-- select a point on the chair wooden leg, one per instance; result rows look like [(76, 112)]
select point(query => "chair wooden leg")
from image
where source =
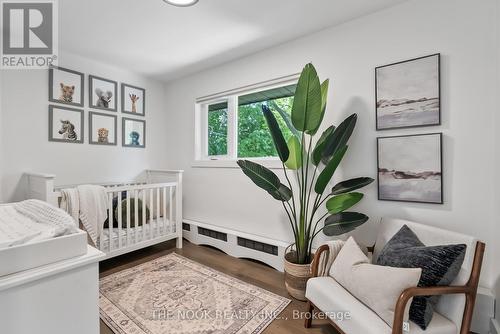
[(309, 313)]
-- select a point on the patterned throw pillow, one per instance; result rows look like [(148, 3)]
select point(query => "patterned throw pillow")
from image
[(440, 265)]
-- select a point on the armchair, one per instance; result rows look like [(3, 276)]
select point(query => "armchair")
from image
[(453, 312)]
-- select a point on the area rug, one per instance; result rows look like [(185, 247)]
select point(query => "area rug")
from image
[(175, 295)]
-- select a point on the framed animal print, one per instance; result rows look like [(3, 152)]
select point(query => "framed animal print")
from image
[(133, 132), (133, 100), (102, 93), (102, 129), (66, 86), (65, 124), (410, 168), (407, 93)]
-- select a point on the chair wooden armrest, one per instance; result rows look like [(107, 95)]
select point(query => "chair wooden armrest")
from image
[(317, 257), (469, 290)]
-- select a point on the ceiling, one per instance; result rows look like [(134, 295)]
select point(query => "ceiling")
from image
[(166, 42)]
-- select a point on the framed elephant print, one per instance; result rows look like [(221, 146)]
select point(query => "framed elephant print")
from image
[(102, 93), (133, 100)]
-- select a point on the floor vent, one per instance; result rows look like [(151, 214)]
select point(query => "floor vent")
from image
[(212, 234), (186, 227), (258, 246)]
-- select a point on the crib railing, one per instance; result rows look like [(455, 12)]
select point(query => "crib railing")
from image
[(159, 199), (159, 190)]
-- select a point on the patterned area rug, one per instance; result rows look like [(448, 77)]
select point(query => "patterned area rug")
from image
[(175, 295)]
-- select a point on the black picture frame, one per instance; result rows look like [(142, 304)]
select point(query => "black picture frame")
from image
[(51, 86), (438, 122), (51, 125), (123, 96), (124, 134), (91, 128), (92, 104), (440, 147)]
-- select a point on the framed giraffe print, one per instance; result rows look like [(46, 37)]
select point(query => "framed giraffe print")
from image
[(133, 100), (65, 124)]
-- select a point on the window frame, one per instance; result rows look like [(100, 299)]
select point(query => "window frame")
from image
[(201, 157)]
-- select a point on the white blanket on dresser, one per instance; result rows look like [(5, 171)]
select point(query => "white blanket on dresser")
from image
[(31, 221)]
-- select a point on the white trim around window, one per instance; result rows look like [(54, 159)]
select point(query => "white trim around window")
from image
[(201, 157)]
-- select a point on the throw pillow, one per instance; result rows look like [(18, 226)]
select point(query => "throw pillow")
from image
[(378, 287), (440, 265)]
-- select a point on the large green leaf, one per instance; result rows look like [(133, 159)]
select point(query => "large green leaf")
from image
[(265, 179), (342, 202), (350, 185), (324, 98), (326, 174), (295, 159), (286, 118), (276, 134), (306, 109), (339, 137), (320, 144), (343, 222)]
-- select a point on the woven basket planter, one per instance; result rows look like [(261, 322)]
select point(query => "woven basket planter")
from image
[(296, 276)]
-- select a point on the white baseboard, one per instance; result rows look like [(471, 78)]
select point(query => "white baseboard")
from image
[(494, 327), (231, 246)]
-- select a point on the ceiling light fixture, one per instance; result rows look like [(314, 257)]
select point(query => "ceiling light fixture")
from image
[(181, 3)]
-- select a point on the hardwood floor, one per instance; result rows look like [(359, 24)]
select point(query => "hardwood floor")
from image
[(245, 270)]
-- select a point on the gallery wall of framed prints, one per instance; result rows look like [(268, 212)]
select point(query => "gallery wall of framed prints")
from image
[(67, 114), (407, 96)]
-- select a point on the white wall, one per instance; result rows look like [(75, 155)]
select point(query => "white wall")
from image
[(24, 131), (463, 31)]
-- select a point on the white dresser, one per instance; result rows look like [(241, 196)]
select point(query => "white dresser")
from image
[(59, 298)]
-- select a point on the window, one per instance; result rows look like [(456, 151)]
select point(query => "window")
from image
[(231, 125), (254, 139), (217, 129)]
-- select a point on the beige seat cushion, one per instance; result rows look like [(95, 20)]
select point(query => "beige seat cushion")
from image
[(379, 287), (330, 297)]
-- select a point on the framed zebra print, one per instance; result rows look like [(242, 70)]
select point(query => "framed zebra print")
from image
[(65, 125)]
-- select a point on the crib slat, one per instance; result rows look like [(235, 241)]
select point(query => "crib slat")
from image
[(151, 210), (170, 211), (128, 218), (120, 220), (136, 215), (158, 212), (144, 215), (164, 208), (110, 221)]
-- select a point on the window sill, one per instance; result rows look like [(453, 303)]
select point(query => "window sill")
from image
[(231, 163)]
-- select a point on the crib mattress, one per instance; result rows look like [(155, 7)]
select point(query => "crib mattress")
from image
[(153, 228)]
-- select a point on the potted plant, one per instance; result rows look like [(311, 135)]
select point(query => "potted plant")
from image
[(308, 169)]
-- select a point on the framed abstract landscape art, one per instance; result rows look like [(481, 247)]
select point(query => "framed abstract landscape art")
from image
[(410, 168), (407, 93)]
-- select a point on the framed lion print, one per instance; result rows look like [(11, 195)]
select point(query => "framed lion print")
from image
[(66, 86)]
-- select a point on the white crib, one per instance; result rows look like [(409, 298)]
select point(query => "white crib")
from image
[(159, 190)]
